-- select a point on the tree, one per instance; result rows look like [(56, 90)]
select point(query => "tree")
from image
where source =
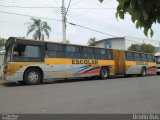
[(147, 48), (143, 13), (39, 28), (135, 47), (91, 41)]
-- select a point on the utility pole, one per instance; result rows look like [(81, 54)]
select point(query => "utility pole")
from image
[(63, 22)]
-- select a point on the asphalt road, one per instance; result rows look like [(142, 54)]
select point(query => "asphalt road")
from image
[(115, 95)]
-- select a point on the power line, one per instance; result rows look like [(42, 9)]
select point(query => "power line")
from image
[(57, 2), (58, 21), (68, 7), (76, 2), (29, 16), (14, 2), (51, 7), (28, 6), (90, 29), (94, 8)]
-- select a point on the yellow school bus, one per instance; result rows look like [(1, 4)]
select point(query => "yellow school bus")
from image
[(33, 62)]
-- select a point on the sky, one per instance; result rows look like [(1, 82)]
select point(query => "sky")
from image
[(89, 13)]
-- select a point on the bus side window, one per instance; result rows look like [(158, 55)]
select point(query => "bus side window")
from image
[(109, 54), (144, 58), (72, 52), (54, 51), (137, 56), (129, 56), (100, 54), (87, 53), (150, 58)]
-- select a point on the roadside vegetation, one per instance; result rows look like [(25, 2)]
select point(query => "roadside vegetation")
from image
[(144, 13), (39, 29), (146, 48)]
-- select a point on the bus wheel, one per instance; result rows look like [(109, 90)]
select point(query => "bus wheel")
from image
[(104, 73), (32, 76), (143, 72), (21, 82), (127, 75), (158, 73)]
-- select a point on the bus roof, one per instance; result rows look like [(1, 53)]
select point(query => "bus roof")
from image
[(18, 39), (11, 40)]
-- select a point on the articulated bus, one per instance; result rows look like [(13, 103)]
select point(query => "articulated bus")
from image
[(158, 63), (33, 62)]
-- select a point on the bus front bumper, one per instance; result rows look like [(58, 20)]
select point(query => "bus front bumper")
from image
[(11, 78), (7, 78)]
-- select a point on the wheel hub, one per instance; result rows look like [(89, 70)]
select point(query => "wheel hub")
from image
[(104, 73), (33, 76)]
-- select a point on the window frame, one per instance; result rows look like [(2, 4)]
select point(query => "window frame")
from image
[(27, 58), (129, 58)]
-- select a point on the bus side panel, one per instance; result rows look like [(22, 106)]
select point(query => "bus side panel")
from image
[(132, 67), (119, 62), (77, 67), (151, 68)]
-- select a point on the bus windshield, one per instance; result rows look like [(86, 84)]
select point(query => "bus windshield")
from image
[(7, 57)]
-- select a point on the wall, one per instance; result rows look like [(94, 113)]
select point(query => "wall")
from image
[(116, 43)]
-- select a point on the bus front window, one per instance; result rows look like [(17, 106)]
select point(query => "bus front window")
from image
[(7, 57), (26, 53)]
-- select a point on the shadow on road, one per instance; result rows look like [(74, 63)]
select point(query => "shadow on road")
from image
[(60, 81)]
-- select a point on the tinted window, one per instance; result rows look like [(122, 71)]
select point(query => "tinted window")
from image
[(73, 55), (100, 51), (54, 54), (70, 48), (26, 53), (55, 47), (150, 58), (101, 56), (144, 58), (129, 56), (87, 50), (109, 54), (88, 56), (137, 56), (31, 51)]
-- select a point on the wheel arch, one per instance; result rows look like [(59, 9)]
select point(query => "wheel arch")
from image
[(35, 67), (108, 67), (144, 67)]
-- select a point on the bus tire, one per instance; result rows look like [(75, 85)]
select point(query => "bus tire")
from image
[(143, 72), (127, 75), (32, 76), (21, 82), (158, 73), (104, 73)]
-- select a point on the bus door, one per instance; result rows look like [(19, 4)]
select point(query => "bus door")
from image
[(119, 62)]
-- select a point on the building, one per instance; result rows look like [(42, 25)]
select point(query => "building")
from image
[(123, 43)]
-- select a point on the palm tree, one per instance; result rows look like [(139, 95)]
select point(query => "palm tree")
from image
[(39, 28), (91, 41)]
